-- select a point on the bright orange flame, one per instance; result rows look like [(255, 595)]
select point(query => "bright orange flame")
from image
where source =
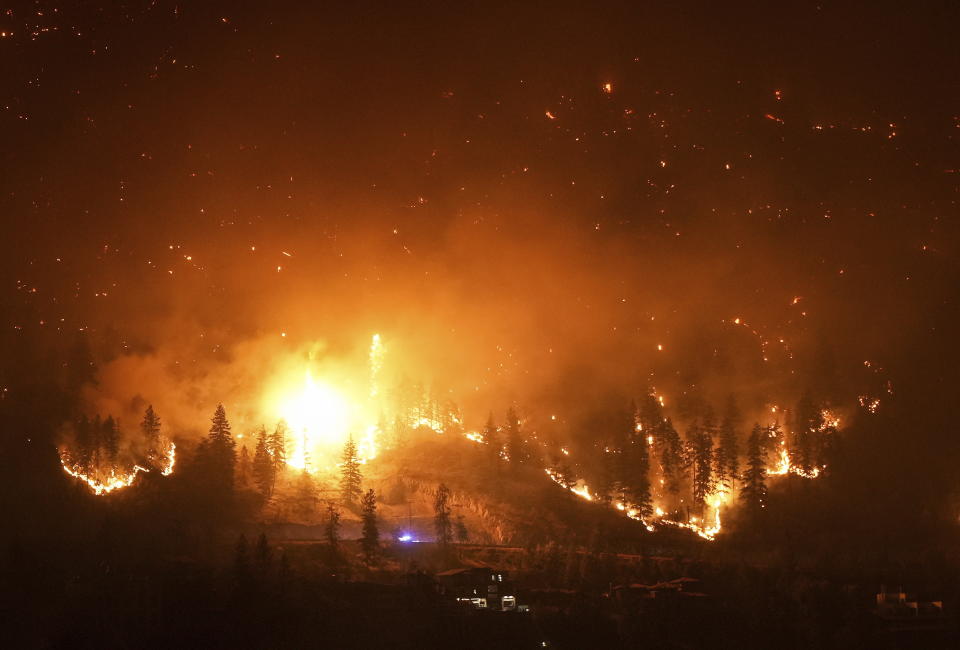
[(318, 415)]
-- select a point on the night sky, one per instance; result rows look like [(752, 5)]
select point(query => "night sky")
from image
[(529, 202)]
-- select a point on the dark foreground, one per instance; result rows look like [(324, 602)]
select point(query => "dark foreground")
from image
[(118, 598)]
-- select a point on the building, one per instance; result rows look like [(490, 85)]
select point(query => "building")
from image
[(482, 587), (900, 610)]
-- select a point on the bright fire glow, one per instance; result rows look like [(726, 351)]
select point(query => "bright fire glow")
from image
[(318, 415), (104, 484), (326, 407)]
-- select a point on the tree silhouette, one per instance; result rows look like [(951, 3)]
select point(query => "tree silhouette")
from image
[(370, 541), (111, 441), (277, 447), (441, 516), (305, 501), (671, 459), (264, 473), (491, 438), (217, 455), (727, 462), (332, 527), (754, 489), (150, 426), (701, 446), (516, 448), (463, 535), (350, 476)]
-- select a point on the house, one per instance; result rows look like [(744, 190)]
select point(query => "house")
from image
[(898, 606), (482, 587)]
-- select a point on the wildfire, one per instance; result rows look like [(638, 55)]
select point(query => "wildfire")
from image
[(784, 466), (102, 485), (376, 365), (318, 414), (579, 488), (703, 529), (321, 414), (171, 460)]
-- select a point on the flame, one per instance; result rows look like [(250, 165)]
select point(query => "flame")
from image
[(171, 460), (113, 480), (784, 466), (376, 365), (318, 415), (579, 488)]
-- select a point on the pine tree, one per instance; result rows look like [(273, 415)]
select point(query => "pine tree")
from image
[(701, 447), (727, 464), (671, 459), (608, 476), (264, 474), (370, 541), (150, 426), (650, 415), (244, 467), (332, 527), (262, 554), (639, 478), (350, 477), (111, 441), (463, 535), (84, 442), (635, 461), (96, 443), (807, 431), (491, 439), (441, 516), (305, 501), (277, 447), (754, 489), (220, 453), (451, 416), (516, 448)]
